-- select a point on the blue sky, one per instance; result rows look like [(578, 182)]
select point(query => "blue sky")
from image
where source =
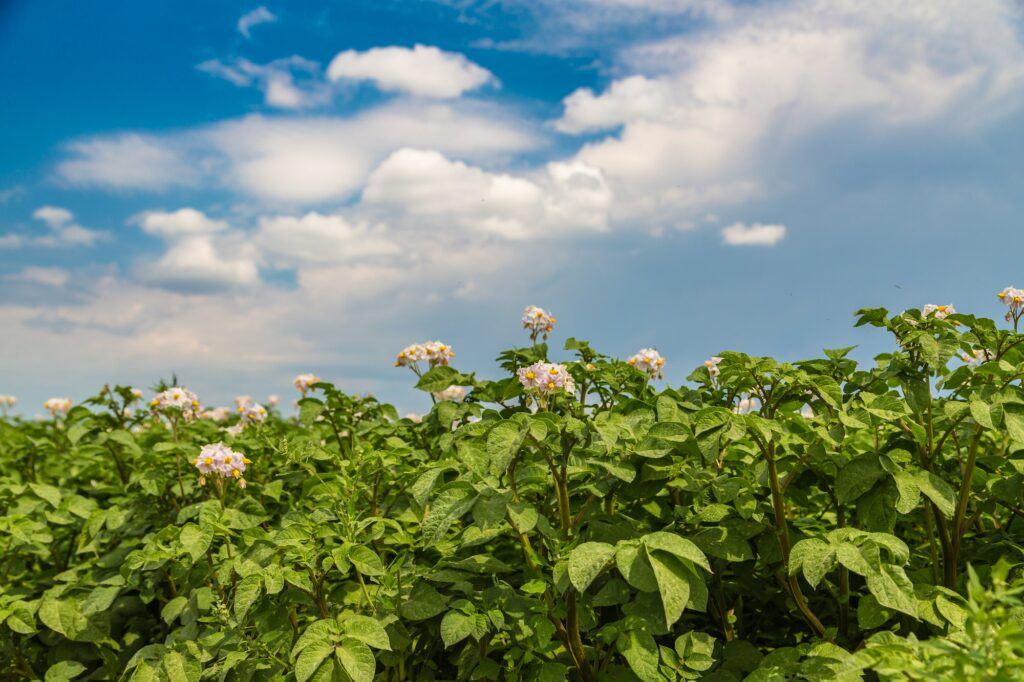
[(239, 192)]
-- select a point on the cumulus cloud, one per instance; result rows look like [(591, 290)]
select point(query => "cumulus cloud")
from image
[(425, 184), (302, 160), (62, 230), (708, 117), (318, 238), (423, 70), (740, 234), (290, 83), (179, 223), (195, 264), (255, 17)]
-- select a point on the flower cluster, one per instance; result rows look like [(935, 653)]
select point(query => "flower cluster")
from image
[(273, 400), (650, 362), (712, 365), (241, 401), (221, 460), (7, 401), (979, 356), (216, 414), (57, 406), (456, 394), (249, 413), (434, 352), (538, 321), (177, 399), (939, 312), (1014, 300), (304, 382), (546, 378)]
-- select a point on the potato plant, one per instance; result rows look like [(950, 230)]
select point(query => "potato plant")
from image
[(573, 519)]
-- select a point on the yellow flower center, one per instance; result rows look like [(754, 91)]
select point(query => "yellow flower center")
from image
[(551, 385), (208, 461), (531, 375)]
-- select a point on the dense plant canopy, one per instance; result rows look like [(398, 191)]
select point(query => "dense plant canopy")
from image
[(768, 520)]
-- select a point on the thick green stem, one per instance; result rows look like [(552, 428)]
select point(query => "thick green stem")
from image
[(959, 526)]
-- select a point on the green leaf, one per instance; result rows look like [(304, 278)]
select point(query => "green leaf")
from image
[(857, 477), (46, 492), (815, 557), (439, 378), (938, 491), (677, 545), (311, 658), (587, 561), (641, 653), (180, 668), (367, 630), (871, 614), (449, 506), (366, 560), (893, 589), (64, 616), (981, 412), (523, 516), (65, 670), (357, 660), (424, 602), (455, 627), (246, 593), (173, 609), (672, 584), (195, 540), (635, 568), (503, 443)]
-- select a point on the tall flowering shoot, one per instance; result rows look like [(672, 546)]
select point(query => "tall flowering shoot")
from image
[(177, 402), (219, 460), (434, 353), (57, 406), (304, 382), (1013, 298), (538, 322), (545, 380), (650, 362)]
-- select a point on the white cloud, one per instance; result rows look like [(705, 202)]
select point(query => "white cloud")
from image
[(10, 241), (63, 231), (290, 83), (255, 17), (319, 238), (740, 234), (179, 223), (126, 161), (52, 277), (423, 71), (195, 264), (708, 117), (424, 184), (305, 160)]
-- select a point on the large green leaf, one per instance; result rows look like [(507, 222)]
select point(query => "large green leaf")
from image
[(587, 561)]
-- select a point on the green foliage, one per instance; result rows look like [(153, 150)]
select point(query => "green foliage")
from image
[(854, 525)]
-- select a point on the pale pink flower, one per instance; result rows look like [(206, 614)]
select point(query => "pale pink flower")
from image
[(177, 400), (456, 394), (304, 382), (221, 460), (650, 362), (546, 378), (58, 406), (712, 365), (538, 321)]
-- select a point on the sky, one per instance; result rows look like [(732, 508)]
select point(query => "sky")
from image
[(235, 193)]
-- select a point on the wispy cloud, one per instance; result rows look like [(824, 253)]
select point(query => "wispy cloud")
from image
[(255, 17), (740, 234)]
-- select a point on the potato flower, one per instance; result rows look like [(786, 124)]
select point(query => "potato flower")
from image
[(456, 394), (177, 400), (218, 459), (216, 414), (712, 365), (939, 312), (545, 378), (434, 352), (977, 357), (650, 362), (249, 413), (304, 382), (1013, 298), (7, 402), (273, 400), (538, 321), (241, 401), (57, 406)]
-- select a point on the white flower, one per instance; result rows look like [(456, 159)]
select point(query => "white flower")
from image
[(1012, 297), (304, 382), (177, 399), (546, 378), (747, 405), (979, 356), (456, 394), (939, 312), (273, 399), (650, 362), (216, 414), (434, 352), (712, 365), (538, 321), (8, 401), (136, 395), (58, 406), (241, 401), (221, 460)]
